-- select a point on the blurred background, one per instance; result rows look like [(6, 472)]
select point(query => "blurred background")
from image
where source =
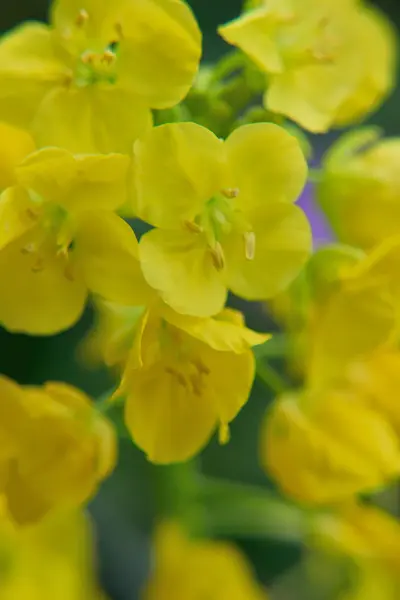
[(125, 509)]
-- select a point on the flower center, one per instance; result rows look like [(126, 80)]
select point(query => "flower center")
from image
[(219, 218), (96, 60)]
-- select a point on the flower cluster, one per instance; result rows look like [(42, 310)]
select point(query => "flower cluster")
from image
[(107, 118)]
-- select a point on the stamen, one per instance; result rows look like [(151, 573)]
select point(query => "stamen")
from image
[(193, 227), (218, 257), (108, 57), (197, 384), (118, 29), (180, 378), (224, 434), (32, 214), (230, 192), (201, 367), (28, 249), (88, 57), (249, 244), (82, 18), (68, 274)]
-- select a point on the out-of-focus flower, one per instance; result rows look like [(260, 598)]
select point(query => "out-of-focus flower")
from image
[(177, 375), (52, 559), (59, 238), (326, 63), (327, 448), (15, 145), (59, 449), (359, 190), (187, 569), (87, 81), (224, 213)]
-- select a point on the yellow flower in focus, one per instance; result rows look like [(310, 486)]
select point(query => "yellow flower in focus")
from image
[(359, 188), (15, 145), (50, 560), (224, 213), (62, 449), (177, 375), (322, 450), (59, 238), (326, 63), (187, 569), (87, 81)]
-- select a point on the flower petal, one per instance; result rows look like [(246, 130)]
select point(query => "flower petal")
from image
[(102, 16), (267, 165), (177, 167), (15, 145), (160, 50), (219, 332), (106, 250), (282, 245), (170, 422), (91, 120), (38, 301), (254, 34), (30, 65), (178, 265), (15, 218)]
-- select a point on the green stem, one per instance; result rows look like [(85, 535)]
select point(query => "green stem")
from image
[(271, 378)]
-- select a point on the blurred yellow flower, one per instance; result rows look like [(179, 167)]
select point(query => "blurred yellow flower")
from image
[(224, 213), (177, 375), (188, 569), (59, 237), (15, 145), (326, 63), (87, 81), (325, 449), (359, 187), (59, 449), (50, 560)]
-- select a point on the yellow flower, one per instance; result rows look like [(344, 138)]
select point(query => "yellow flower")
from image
[(87, 81), (59, 237), (61, 449), (363, 532), (377, 379), (177, 375), (224, 213), (359, 187), (326, 63), (15, 145), (51, 559), (325, 449), (187, 569)]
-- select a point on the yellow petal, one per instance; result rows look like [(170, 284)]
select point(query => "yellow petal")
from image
[(318, 456), (30, 65), (49, 173), (282, 245), (267, 165), (160, 50), (106, 250), (217, 332), (254, 34), (46, 297), (166, 419), (189, 162), (15, 145), (15, 215), (91, 120), (98, 20), (180, 267)]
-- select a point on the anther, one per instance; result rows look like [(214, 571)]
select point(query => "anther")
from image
[(193, 227), (88, 58), (249, 244), (82, 18), (118, 29), (32, 214), (108, 57), (201, 367), (230, 192), (180, 378), (218, 257), (223, 434), (28, 249)]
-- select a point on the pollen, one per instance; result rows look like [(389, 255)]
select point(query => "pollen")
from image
[(82, 18)]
